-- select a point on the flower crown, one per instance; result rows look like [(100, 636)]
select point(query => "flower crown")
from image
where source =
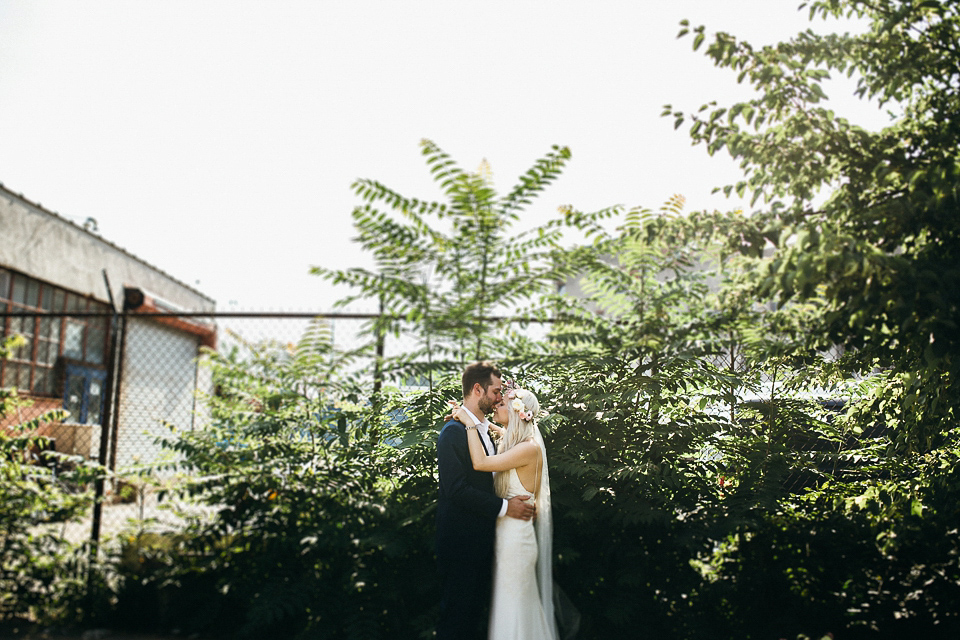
[(516, 400)]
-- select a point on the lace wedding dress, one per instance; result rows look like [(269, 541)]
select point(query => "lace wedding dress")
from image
[(522, 581)]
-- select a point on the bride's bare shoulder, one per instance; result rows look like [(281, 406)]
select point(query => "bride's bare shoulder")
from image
[(531, 446)]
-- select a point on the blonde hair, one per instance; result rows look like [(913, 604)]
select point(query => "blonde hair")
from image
[(519, 428)]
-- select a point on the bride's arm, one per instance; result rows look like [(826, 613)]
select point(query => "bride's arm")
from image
[(477, 452), (520, 455), (523, 454)]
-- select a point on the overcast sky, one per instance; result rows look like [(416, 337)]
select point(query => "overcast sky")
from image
[(218, 140)]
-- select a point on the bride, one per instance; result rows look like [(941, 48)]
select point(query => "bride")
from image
[(522, 606)]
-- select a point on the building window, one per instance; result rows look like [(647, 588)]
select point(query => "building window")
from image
[(81, 339)]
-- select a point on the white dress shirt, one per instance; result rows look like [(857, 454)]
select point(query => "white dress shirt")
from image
[(484, 430)]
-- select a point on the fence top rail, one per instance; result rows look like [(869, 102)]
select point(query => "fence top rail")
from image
[(184, 314), (238, 314)]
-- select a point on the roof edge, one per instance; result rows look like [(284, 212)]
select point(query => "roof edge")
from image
[(57, 216)]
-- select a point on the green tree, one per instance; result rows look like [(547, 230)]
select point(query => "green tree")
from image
[(311, 528), (866, 233), (444, 270), (676, 401), (42, 576), (864, 221), (280, 461)]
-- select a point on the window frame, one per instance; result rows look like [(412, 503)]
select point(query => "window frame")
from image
[(35, 368)]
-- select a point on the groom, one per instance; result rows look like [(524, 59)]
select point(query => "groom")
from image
[(467, 513)]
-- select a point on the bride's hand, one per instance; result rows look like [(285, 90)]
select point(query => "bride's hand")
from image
[(456, 412), (453, 406), (460, 414)]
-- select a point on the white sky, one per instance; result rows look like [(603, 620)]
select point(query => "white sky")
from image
[(218, 140)]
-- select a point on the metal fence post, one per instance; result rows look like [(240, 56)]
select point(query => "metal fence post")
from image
[(105, 418), (118, 387)]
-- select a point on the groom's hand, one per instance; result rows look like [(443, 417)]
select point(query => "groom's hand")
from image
[(518, 507)]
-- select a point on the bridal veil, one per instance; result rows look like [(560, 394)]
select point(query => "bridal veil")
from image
[(556, 606)]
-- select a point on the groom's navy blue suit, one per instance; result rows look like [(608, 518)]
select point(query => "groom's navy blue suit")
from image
[(466, 524)]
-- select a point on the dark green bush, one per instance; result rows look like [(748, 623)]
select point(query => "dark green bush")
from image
[(42, 576)]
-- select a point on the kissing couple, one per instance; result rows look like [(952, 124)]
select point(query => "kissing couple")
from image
[(494, 529)]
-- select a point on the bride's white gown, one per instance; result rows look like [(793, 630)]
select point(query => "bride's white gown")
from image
[(517, 613)]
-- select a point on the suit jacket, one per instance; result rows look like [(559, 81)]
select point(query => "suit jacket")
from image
[(468, 507)]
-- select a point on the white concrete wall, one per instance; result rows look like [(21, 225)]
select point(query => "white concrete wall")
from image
[(159, 374), (160, 379), (47, 247)]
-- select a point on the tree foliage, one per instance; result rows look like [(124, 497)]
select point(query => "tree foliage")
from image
[(681, 413), (864, 227), (751, 417), (42, 575), (306, 525), (444, 270), (864, 221)]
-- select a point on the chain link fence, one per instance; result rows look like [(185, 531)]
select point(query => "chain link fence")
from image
[(127, 381), (149, 381)]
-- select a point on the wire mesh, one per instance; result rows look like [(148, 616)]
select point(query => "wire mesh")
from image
[(149, 382)]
